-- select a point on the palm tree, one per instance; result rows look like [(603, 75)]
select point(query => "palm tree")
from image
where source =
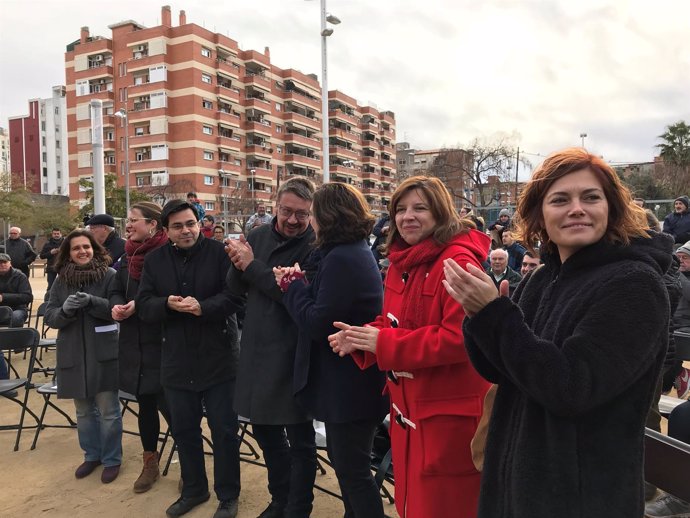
[(675, 152)]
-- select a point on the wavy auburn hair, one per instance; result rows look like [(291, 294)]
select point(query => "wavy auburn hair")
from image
[(342, 214), (625, 220), (435, 194)]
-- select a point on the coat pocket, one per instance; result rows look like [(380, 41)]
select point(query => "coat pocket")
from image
[(446, 428), (107, 346), (64, 353)]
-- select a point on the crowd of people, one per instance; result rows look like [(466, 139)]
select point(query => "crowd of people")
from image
[(518, 366)]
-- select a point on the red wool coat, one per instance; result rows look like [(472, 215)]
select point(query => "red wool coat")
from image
[(436, 400)]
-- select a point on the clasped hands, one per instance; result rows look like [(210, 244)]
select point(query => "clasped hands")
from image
[(75, 302), (285, 275), (184, 305), (121, 312), (240, 252)]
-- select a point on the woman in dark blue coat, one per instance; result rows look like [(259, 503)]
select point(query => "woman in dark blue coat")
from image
[(346, 286)]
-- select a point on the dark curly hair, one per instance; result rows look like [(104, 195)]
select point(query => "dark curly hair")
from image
[(342, 214)]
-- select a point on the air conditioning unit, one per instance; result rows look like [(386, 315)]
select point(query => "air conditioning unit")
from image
[(140, 48), (97, 58)]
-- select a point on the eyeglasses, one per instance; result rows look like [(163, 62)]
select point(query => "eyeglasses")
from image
[(134, 220), (286, 212), (180, 226)]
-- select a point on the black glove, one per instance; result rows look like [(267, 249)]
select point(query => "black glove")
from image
[(71, 305)]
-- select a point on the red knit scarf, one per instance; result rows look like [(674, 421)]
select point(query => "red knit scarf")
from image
[(136, 252), (414, 262)]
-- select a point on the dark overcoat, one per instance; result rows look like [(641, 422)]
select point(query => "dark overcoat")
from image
[(576, 355), (198, 352), (264, 392), (140, 343), (86, 342), (346, 288)]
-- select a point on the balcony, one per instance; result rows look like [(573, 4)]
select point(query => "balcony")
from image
[(147, 165), (341, 115), (312, 123), (296, 138), (343, 151), (262, 150), (229, 167), (231, 119), (257, 80), (261, 174), (232, 143), (303, 160), (229, 93), (344, 171), (255, 103), (344, 134), (296, 97), (373, 191), (263, 127), (229, 67)]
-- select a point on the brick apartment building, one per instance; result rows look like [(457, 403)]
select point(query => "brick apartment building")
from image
[(37, 146), (205, 116)]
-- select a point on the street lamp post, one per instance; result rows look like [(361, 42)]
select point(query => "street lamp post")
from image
[(583, 136), (122, 114), (325, 32), (253, 171)]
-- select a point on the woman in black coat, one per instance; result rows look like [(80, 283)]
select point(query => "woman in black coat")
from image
[(576, 353), (346, 287), (140, 344)]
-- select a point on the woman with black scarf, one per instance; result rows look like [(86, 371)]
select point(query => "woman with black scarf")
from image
[(87, 347), (140, 345)]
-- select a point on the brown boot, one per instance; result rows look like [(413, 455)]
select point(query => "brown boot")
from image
[(149, 474)]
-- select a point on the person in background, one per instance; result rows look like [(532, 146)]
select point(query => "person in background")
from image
[(264, 393), (140, 344), (380, 232), (675, 375), (497, 228), (182, 291), (49, 251), (15, 296), (677, 223), (436, 395), (261, 217), (219, 233), (87, 350), (20, 251), (562, 426), (194, 201), (500, 271), (516, 252), (345, 287), (102, 226), (207, 224), (639, 202), (466, 212), (530, 262)]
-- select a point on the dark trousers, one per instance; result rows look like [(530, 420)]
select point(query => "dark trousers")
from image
[(349, 449), (186, 410), (51, 277), (679, 423), (24, 269), (290, 455), (149, 420)]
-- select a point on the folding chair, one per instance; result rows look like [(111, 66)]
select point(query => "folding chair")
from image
[(45, 343), (13, 339), (48, 390), (126, 400)]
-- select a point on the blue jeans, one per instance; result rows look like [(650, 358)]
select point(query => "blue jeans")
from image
[(99, 426), (186, 411)]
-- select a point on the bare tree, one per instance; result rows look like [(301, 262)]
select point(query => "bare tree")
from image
[(172, 190), (236, 203)]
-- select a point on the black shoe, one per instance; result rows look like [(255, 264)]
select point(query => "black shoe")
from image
[(274, 510), (226, 509), (183, 505)]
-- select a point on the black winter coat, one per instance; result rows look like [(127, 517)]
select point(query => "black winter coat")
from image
[(263, 392), (197, 352), (346, 288), (20, 251), (115, 246), (576, 355), (15, 290), (45, 251), (140, 343), (678, 225)]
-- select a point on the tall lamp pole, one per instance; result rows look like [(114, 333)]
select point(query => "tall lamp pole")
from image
[(325, 33), (583, 136), (122, 113)]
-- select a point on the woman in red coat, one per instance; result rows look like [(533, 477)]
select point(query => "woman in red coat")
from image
[(436, 395)]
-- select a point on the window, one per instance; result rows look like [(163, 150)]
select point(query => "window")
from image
[(279, 129), (43, 141), (45, 156), (59, 174), (209, 205), (59, 189), (57, 110), (205, 78), (208, 155), (207, 104), (208, 130), (279, 149), (109, 135), (208, 180), (279, 107), (43, 125), (57, 144), (238, 162), (205, 52)]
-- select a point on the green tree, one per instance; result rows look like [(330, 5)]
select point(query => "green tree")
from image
[(674, 171), (115, 197)]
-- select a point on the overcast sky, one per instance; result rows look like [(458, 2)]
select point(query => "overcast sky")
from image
[(451, 70)]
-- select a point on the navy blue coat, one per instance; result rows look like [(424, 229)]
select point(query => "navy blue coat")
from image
[(678, 225), (346, 287)]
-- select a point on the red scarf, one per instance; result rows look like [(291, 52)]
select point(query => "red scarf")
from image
[(136, 252), (414, 262)]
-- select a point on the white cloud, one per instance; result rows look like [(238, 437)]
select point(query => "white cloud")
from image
[(451, 70)]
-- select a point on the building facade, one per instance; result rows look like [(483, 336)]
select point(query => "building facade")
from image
[(4, 159), (38, 144), (200, 114)]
